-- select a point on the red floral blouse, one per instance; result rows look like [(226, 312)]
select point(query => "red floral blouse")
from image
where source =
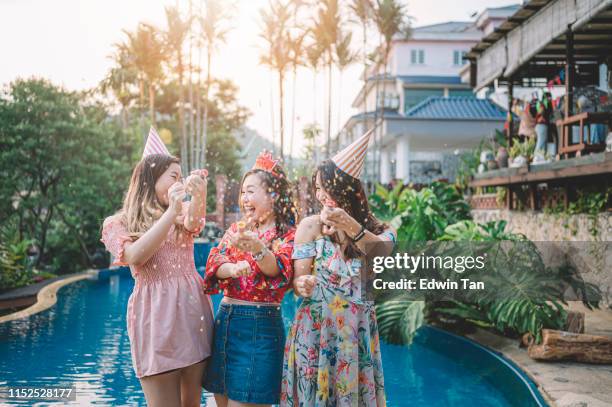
[(256, 287)]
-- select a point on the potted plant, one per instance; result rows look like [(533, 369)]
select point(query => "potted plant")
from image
[(521, 153)]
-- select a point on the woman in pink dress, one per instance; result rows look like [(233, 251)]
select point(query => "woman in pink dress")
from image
[(169, 317)]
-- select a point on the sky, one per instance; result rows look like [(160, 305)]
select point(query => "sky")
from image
[(69, 42)]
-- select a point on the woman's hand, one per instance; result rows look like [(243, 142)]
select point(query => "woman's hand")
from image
[(304, 285), (337, 219), (176, 194), (196, 185), (247, 242), (240, 269)]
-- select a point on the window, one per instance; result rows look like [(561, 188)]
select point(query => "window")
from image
[(414, 96), (417, 56), (458, 57), (391, 100), (461, 92)]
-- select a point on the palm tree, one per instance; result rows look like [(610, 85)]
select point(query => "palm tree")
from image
[(363, 11), (297, 37), (212, 33), (344, 57), (192, 136), (277, 55), (314, 55), (391, 19), (296, 46), (118, 81), (325, 32), (145, 55), (174, 40)]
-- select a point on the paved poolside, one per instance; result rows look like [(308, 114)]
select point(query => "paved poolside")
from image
[(564, 384)]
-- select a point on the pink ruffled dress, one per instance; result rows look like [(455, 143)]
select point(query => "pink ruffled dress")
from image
[(169, 317)]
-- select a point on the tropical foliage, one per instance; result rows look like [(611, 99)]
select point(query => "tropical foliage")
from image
[(64, 167), (420, 215), (66, 157), (522, 295), (15, 268)]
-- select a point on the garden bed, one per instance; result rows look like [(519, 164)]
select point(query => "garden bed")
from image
[(36, 297)]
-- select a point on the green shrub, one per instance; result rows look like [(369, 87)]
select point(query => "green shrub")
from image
[(522, 294), (15, 268)]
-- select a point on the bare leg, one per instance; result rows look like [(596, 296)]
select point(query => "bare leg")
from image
[(191, 384), (221, 400), (162, 390), (233, 403)]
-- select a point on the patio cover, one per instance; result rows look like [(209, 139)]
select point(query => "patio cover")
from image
[(534, 33)]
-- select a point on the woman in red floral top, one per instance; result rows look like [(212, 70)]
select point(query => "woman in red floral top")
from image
[(252, 266)]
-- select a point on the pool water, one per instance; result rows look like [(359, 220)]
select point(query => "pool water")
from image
[(83, 340)]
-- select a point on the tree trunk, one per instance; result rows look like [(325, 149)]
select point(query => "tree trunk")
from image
[(198, 122), (182, 124), (314, 100), (338, 117), (205, 118), (376, 99), (293, 117), (77, 236), (152, 103), (43, 236), (271, 78), (561, 345), (329, 104), (124, 119), (365, 68), (142, 109), (282, 120), (377, 152), (190, 147)]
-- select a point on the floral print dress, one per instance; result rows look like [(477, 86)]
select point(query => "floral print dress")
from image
[(256, 287), (332, 354)]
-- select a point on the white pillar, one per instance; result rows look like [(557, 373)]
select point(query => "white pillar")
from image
[(402, 156), (385, 167)]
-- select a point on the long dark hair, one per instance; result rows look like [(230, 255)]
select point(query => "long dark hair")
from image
[(349, 194), (284, 207), (140, 206)]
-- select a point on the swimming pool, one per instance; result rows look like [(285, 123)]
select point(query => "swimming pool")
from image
[(83, 340)]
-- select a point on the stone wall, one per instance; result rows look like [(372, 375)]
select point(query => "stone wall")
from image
[(582, 241)]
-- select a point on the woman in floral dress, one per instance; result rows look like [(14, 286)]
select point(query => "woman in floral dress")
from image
[(332, 354)]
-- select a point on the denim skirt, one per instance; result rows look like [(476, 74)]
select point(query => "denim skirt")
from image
[(247, 354)]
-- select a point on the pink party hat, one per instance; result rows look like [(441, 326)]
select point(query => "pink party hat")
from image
[(154, 144), (351, 158)]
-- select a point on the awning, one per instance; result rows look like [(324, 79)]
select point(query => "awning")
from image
[(536, 33)]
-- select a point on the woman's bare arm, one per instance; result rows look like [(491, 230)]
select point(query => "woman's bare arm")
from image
[(138, 252), (307, 231)]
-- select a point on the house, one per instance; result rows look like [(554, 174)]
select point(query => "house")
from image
[(430, 111)]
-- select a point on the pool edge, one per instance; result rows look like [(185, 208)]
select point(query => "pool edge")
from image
[(47, 296), (478, 340)]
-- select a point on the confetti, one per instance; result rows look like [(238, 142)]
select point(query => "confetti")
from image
[(330, 203)]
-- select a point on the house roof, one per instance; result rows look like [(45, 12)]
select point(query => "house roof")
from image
[(420, 79), (389, 114), (448, 31), (425, 79), (456, 108), (444, 108), (446, 27)]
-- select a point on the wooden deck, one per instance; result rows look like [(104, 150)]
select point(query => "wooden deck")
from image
[(593, 164)]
